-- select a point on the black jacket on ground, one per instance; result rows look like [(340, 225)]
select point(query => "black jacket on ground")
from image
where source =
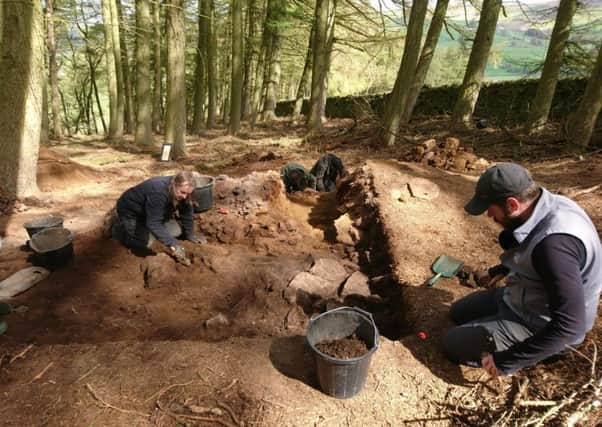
[(149, 203)]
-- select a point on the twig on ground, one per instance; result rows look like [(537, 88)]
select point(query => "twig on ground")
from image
[(537, 403), (192, 417), (229, 386), (164, 389), (108, 405), (37, 377), (86, 374), (229, 411), (20, 355)]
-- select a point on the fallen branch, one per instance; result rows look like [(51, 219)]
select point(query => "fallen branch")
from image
[(20, 355), (108, 405)]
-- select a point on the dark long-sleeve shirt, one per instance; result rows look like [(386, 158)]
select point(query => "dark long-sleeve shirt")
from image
[(150, 204), (558, 259)]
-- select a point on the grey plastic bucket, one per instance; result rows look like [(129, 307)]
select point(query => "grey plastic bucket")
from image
[(53, 247), (342, 378), (39, 224), (202, 196)]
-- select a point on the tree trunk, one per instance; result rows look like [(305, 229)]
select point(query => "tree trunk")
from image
[(157, 92), (115, 119), (144, 102), (251, 58), (100, 113), (45, 120), (426, 56), (127, 81), (276, 14), (200, 74), (475, 70), (237, 68), (323, 26), (22, 71), (209, 11), (540, 108), (118, 64), (581, 123), (57, 128), (302, 88), (175, 123), (407, 70)]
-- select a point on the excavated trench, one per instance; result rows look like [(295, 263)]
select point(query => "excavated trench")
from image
[(272, 262)]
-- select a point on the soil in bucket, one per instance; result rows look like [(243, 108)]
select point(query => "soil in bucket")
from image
[(345, 348)]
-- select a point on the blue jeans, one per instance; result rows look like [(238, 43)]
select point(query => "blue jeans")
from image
[(485, 325)]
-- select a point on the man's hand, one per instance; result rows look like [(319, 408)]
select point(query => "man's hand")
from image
[(179, 254), (488, 364), (485, 281), (199, 238)]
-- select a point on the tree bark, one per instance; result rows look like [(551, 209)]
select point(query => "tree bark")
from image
[(581, 123), (262, 72), (475, 70), (426, 56), (175, 123), (200, 74), (22, 71), (157, 89), (398, 97), (276, 13), (118, 65), (209, 11), (129, 110), (540, 108), (144, 119), (115, 119), (57, 128), (237, 68), (251, 57), (323, 26), (302, 88), (45, 119)]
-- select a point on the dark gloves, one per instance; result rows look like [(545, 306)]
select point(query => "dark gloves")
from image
[(199, 238), (179, 254)]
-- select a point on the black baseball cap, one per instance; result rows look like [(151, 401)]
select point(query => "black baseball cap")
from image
[(497, 183)]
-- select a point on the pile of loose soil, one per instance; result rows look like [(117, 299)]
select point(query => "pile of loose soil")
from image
[(344, 348)]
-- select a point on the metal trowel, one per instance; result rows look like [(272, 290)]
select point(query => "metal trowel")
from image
[(445, 266)]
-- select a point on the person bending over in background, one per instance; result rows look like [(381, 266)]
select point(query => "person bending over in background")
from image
[(159, 208), (552, 267), (297, 178), (322, 177), (327, 170)]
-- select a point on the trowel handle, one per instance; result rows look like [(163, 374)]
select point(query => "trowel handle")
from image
[(433, 279)]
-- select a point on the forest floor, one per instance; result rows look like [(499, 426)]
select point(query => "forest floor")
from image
[(119, 339)]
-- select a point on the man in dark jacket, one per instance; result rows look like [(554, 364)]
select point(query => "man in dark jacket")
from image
[(327, 170), (157, 209), (296, 178), (552, 268), (322, 177)]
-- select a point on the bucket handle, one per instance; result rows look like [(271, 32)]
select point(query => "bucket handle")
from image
[(364, 312)]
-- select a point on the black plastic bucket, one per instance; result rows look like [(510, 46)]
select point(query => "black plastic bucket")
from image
[(342, 378), (43, 223), (53, 247), (202, 196)]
